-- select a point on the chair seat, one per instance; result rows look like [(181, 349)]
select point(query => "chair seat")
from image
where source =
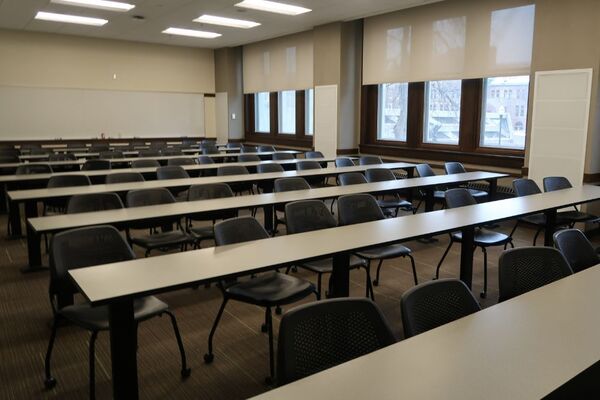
[(96, 318), (439, 194), (325, 265), (484, 238), (273, 288), (202, 232), (395, 204), (478, 194), (162, 239), (575, 216), (383, 252)]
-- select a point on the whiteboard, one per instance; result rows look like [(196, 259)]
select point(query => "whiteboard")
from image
[(559, 124), (326, 120), (51, 113)]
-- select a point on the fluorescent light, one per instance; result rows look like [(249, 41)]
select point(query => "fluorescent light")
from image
[(192, 33), (235, 23), (99, 4), (273, 6), (70, 19)]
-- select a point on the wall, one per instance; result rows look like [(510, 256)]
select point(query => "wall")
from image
[(228, 79)]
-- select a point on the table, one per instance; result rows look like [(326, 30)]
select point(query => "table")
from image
[(118, 284)]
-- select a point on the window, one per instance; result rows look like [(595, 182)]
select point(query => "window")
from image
[(309, 111), (287, 112), (503, 125), (262, 112), (441, 124), (392, 111)]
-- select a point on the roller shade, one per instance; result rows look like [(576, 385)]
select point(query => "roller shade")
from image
[(449, 40), (284, 63)]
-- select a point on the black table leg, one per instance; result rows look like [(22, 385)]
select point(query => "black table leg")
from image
[(410, 172), (429, 200), (33, 241), (3, 199), (268, 211), (550, 226), (466, 256), (339, 283), (123, 350), (493, 190), (14, 220)]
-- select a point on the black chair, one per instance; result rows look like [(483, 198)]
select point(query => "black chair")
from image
[(174, 172), (458, 168), (62, 157), (240, 187), (305, 165), (528, 268), (207, 192), (204, 159), (109, 155), (249, 149), (158, 144), (359, 208), (382, 175), (266, 149), (145, 164), (321, 335), (165, 239), (95, 165), (210, 150), (344, 162), (283, 156), (30, 169), (123, 177), (86, 247), (576, 248), (286, 185), (351, 178), (369, 160), (58, 181), (232, 145), (81, 203), (272, 289), (435, 303), (310, 215), (98, 147), (267, 186), (5, 159), (313, 154), (484, 238), (149, 153), (425, 170), (181, 161), (553, 183), (248, 158), (171, 152)]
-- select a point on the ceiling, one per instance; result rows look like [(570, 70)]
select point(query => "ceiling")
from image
[(161, 14)]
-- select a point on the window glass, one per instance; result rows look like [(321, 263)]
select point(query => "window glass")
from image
[(262, 118), (442, 112), (392, 114), (287, 112)]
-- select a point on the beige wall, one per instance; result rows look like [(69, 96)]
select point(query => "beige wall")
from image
[(228, 79), (50, 60)]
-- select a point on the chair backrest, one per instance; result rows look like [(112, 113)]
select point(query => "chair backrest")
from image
[(454, 168), (424, 170), (249, 149), (304, 165), (435, 303), (232, 170), (95, 165), (148, 153), (351, 178), (83, 247), (75, 145), (248, 157), (232, 145), (149, 197), (145, 164), (122, 177), (313, 154), (40, 152), (98, 147), (307, 215), (358, 208), (107, 155), (57, 181), (158, 144), (576, 248), (344, 162), (204, 159), (369, 160), (268, 167), (323, 334), (171, 152), (282, 156), (459, 197), (266, 149), (237, 230), (209, 191), (81, 203), (10, 151), (181, 161), (379, 175), (525, 187), (552, 183), (62, 157), (289, 184), (9, 158), (30, 169), (171, 172), (210, 150), (528, 268)]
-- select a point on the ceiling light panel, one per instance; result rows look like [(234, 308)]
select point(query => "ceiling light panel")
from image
[(70, 19), (273, 6), (232, 22), (191, 33), (98, 4)]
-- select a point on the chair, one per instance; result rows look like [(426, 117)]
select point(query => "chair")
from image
[(458, 168), (425, 170), (344, 162), (232, 145), (204, 159), (174, 172), (249, 149), (528, 268), (86, 247), (484, 238), (171, 152), (553, 183), (81, 203), (181, 161), (382, 175), (209, 149), (359, 208), (123, 177), (109, 155), (145, 164), (240, 187), (248, 158), (98, 147), (158, 144), (313, 154), (310, 215), (308, 165), (369, 160), (59, 181), (5, 159), (267, 186), (351, 178), (167, 238), (95, 165), (207, 192), (149, 153), (435, 303), (286, 185), (576, 248), (266, 149), (62, 157), (282, 156), (268, 290), (321, 335), (30, 169)]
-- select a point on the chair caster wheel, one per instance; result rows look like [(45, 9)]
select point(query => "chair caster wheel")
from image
[(483, 295), (375, 283), (263, 328), (185, 373), (278, 310), (49, 383), (269, 381), (208, 358)]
